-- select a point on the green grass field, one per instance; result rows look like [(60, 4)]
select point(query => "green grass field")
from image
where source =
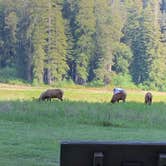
[(31, 131)]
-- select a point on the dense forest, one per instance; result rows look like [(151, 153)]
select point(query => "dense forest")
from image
[(93, 41)]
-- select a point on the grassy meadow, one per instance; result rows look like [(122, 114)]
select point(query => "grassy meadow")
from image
[(31, 131)]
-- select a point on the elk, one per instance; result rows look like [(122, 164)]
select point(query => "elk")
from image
[(148, 98), (51, 93), (119, 96)]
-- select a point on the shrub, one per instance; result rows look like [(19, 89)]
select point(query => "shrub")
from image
[(65, 83), (123, 81), (9, 75), (96, 83)]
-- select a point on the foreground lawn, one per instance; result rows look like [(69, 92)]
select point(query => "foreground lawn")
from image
[(31, 131)]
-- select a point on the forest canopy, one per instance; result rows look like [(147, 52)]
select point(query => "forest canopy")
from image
[(94, 41)]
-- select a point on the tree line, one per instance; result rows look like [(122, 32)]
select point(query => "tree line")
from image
[(46, 41)]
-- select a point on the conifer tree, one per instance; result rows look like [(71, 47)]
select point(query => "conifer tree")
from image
[(70, 10), (84, 45), (39, 44), (9, 22), (56, 64), (25, 43), (108, 32)]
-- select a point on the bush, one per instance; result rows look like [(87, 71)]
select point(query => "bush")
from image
[(96, 83), (123, 81), (152, 86), (65, 83), (17, 82), (9, 75)]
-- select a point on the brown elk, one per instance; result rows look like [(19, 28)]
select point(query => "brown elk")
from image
[(148, 98), (119, 96), (51, 93)]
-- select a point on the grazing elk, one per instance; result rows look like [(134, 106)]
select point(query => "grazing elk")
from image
[(51, 93), (148, 98), (119, 96)]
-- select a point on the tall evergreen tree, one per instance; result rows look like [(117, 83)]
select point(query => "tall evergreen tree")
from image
[(142, 34), (8, 33), (84, 45), (109, 23), (122, 57), (56, 65), (25, 43), (134, 36), (157, 73), (70, 11), (39, 42)]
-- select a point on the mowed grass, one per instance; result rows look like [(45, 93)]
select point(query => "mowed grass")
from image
[(31, 131)]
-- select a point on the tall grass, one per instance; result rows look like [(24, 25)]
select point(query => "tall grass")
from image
[(31, 131), (125, 115)]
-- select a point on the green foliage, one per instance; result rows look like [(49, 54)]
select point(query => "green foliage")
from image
[(39, 44), (17, 81), (102, 58), (142, 35), (64, 84), (7, 73), (57, 44), (96, 83), (8, 30), (123, 81), (48, 41), (85, 21), (122, 57)]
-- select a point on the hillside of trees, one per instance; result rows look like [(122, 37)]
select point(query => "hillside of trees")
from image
[(86, 41)]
